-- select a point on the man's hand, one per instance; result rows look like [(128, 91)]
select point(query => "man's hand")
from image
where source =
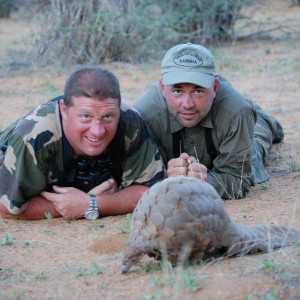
[(71, 202), (107, 187), (68, 201), (186, 165)]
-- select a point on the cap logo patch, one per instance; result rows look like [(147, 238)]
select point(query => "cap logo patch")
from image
[(188, 58)]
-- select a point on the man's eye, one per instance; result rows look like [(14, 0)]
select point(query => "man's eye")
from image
[(198, 92), (85, 116), (108, 117), (177, 92)]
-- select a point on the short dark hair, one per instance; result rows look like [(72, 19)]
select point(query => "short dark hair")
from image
[(94, 83)]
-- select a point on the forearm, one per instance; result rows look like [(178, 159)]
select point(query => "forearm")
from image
[(229, 186), (35, 210), (121, 202), (72, 203)]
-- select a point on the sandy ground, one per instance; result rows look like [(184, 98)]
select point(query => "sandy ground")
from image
[(57, 259)]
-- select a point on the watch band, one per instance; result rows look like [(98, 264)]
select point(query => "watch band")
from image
[(93, 202), (92, 212)]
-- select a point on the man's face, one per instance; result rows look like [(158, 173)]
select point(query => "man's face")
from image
[(89, 124), (189, 103)]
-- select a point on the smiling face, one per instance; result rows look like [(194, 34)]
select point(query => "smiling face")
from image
[(90, 125), (189, 103)]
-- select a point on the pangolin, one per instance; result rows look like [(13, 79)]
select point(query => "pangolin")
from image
[(181, 212)]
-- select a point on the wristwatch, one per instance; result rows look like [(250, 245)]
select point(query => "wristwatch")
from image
[(92, 213)]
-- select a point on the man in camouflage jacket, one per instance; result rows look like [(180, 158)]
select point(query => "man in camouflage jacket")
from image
[(39, 153)]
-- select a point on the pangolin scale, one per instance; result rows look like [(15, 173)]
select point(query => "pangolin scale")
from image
[(181, 212)]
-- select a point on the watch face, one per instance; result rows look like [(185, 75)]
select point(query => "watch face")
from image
[(92, 215)]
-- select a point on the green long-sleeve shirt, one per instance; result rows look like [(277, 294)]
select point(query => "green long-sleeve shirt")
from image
[(232, 120)]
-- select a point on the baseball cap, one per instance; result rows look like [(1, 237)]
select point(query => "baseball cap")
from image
[(190, 63)]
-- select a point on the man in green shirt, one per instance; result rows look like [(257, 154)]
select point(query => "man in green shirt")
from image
[(204, 127), (86, 153)]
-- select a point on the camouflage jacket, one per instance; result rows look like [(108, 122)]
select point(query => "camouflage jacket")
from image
[(36, 155)]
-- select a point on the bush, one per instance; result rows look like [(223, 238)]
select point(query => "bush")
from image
[(205, 21), (6, 7), (129, 30)]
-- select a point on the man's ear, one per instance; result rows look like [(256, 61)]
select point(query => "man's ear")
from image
[(216, 85), (63, 108), (161, 85)]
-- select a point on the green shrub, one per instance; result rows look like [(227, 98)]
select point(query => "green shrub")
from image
[(6, 7), (129, 30)]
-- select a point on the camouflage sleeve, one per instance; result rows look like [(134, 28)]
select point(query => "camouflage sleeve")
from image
[(142, 162), (22, 174)]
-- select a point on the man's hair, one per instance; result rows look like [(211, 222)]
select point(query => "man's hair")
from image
[(96, 83)]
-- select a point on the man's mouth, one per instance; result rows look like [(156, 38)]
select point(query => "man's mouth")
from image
[(188, 115), (94, 140)]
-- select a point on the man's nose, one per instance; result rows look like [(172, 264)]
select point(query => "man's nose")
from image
[(97, 128), (188, 101)]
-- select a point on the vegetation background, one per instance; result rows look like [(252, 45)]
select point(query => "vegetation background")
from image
[(256, 45)]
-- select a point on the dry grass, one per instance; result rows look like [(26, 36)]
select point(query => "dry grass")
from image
[(56, 259)]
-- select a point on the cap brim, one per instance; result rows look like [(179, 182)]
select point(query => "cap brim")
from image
[(201, 79)]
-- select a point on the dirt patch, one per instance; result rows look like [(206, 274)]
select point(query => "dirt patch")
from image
[(56, 259), (110, 244)]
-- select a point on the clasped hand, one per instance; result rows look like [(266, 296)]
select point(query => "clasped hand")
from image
[(186, 165), (71, 202)]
